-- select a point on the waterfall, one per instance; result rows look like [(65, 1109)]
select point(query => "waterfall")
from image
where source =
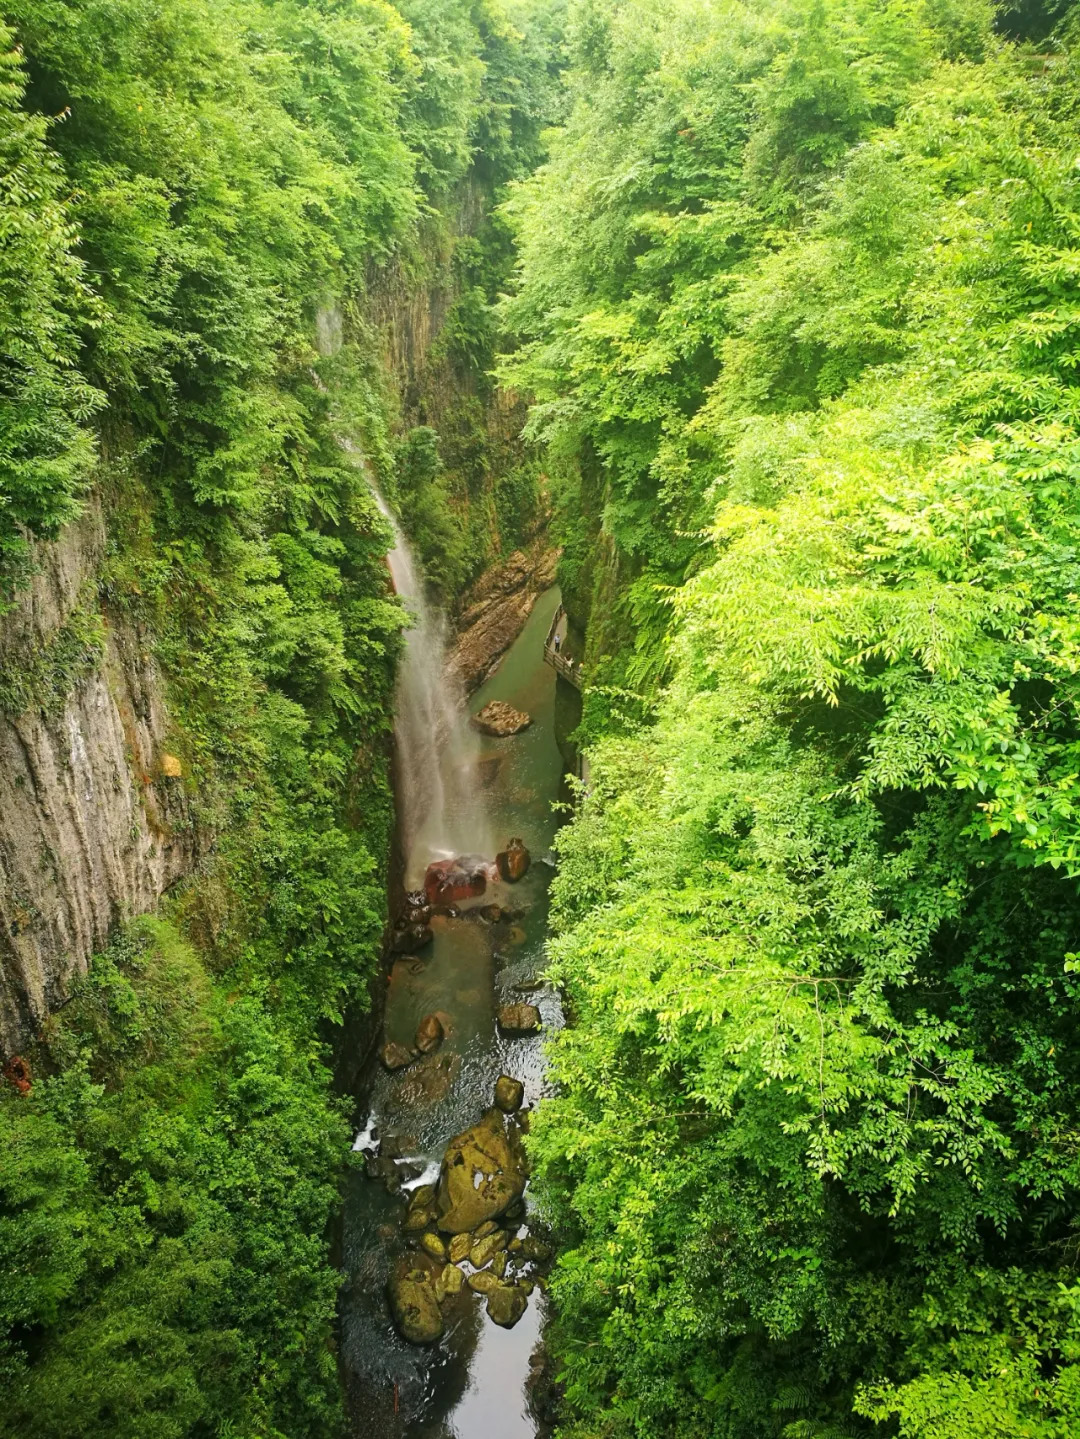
[(441, 799)]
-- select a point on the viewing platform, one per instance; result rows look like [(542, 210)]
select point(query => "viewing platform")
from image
[(563, 664)]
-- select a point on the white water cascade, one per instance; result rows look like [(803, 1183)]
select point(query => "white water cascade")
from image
[(442, 803)]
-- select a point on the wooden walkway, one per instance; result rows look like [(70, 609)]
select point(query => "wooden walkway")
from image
[(559, 662)]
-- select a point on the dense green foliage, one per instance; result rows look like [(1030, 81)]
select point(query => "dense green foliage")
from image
[(198, 200), (797, 307), (173, 1176)]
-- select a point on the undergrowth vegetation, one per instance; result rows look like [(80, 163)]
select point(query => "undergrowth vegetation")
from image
[(797, 309)]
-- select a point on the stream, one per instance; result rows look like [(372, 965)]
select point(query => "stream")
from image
[(471, 1383)]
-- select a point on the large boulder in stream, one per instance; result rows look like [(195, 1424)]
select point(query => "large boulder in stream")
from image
[(506, 1304), (430, 1033), (509, 1094), (500, 719), (396, 1056), (517, 1020), (413, 1301), (448, 881), (483, 1173), (513, 861)]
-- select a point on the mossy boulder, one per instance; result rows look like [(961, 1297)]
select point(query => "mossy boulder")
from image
[(450, 1281), (484, 1252), (460, 1245), (519, 1019), (483, 1172), (506, 1303), (413, 1302), (433, 1245), (509, 1094)]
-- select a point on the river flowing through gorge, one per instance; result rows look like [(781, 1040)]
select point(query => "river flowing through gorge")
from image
[(460, 793)]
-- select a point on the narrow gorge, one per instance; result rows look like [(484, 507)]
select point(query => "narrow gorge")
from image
[(539, 719)]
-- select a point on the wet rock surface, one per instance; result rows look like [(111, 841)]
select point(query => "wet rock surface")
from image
[(509, 1094), (501, 720), (506, 1304), (410, 937), (498, 606), (414, 1303), (449, 881), (482, 1174), (513, 861), (429, 1034), (395, 1056), (519, 1019)]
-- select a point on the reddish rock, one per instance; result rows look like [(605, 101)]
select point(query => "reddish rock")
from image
[(449, 880), (513, 861), (429, 1033)]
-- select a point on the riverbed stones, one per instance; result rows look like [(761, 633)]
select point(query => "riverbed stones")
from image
[(500, 719), (429, 1080), (499, 1263), (429, 1034), (413, 1302), (509, 1094), (484, 1282), (483, 1230), (416, 909), (418, 1220), (411, 936), (519, 1019), (483, 1172), (535, 1249), (506, 1303), (396, 1056), (433, 1245), (482, 1253), (451, 1281), (460, 1244)]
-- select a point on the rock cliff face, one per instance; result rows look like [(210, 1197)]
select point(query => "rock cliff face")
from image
[(496, 608), (93, 818)]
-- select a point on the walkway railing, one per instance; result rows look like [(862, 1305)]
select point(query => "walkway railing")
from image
[(560, 662)]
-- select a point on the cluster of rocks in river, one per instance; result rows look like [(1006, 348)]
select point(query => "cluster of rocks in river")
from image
[(413, 928), (463, 1233)]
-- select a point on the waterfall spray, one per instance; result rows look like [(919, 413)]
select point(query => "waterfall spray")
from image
[(442, 806)]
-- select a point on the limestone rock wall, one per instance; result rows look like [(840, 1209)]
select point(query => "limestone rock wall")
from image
[(92, 831)]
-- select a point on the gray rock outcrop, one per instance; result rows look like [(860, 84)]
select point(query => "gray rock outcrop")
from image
[(94, 822)]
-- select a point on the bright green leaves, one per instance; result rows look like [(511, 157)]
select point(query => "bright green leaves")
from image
[(814, 1154), (46, 446)]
